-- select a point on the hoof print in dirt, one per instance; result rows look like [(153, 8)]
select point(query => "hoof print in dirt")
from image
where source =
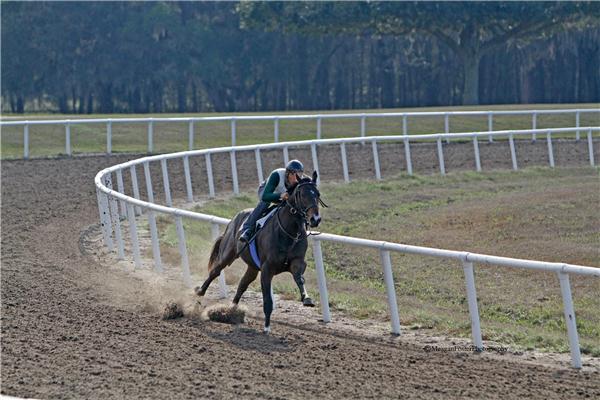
[(308, 302), (226, 314), (172, 311)]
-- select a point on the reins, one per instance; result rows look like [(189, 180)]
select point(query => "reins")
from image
[(296, 212)]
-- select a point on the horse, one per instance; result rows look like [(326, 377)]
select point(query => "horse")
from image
[(281, 245)]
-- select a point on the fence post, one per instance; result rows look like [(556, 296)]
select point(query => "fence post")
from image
[(191, 135), (513, 154), (233, 131), (121, 189), (407, 156), (114, 218), (319, 120), (321, 280), (550, 152), (440, 152), (276, 130), (114, 213), (135, 245), (209, 174), (105, 219), (534, 126), (590, 146), (185, 264), (477, 158), (68, 138), (490, 126), (565, 289), (313, 150), (447, 126), (150, 136), (26, 141), (152, 221), (234, 173), (376, 160), (214, 230), (363, 126), (155, 243), (109, 137), (136, 188), (149, 190), (577, 136), (286, 155), (165, 176), (472, 301), (188, 178), (404, 124), (391, 290), (345, 162), (259, 168)]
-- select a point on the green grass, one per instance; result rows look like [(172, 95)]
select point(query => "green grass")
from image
[(537, 213), (49, 140)]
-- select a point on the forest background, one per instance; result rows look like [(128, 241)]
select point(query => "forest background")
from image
[(153, 57)]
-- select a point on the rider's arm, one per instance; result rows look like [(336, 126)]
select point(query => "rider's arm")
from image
[(268, 195)]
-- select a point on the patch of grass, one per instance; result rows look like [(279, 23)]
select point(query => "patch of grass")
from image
[(49, 140), (536, 213)]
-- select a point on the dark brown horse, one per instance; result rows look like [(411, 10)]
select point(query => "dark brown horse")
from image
[(281, 246)]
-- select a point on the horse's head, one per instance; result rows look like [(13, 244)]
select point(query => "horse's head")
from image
[(305, 200)]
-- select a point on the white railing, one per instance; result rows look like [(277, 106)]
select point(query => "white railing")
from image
[(233, 120), (114, 205)]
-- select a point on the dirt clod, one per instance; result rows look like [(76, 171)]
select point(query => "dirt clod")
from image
[(226, 314), (172, 311)]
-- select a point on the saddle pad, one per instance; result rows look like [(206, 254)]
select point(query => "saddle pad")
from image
[(254, 253), (262, 221)]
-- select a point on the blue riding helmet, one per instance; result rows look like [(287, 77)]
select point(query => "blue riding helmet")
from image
[(294, 166)]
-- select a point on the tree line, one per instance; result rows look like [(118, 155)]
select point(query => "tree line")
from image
[(140, 57)]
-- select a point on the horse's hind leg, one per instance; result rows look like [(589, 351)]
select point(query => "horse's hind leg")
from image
[(215, 271), (247, 279)]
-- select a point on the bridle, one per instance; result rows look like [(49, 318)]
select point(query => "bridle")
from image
[(296, 206), (298, 210)]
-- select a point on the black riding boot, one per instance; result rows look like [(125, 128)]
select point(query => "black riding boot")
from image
[(250, 223)]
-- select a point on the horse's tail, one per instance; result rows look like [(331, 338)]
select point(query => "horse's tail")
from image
[(215, 252)]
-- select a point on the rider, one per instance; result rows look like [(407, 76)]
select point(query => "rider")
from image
[(273, 190)]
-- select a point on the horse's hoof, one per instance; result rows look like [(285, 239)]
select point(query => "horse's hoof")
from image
[(198, 291), (307, 302), (267, 330)]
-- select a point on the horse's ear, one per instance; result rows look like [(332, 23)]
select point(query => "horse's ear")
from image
[(315, 176)]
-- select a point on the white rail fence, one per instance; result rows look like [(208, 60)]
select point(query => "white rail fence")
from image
[(276, 119), (114, 205)]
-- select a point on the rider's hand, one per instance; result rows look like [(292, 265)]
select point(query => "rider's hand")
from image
[(284, 196)]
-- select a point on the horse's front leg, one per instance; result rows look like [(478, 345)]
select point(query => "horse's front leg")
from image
[(265, 282), (297, 268)]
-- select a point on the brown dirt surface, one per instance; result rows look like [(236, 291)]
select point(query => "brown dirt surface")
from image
[(73, 327)]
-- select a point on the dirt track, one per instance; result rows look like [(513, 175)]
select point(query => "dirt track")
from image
[(65, 335)]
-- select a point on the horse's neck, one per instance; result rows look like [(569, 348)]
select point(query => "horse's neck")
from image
[(290, 223)]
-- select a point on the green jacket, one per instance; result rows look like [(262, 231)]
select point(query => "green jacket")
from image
[(274, 188)]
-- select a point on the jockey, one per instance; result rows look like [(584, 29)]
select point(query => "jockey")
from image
[(273, 190)]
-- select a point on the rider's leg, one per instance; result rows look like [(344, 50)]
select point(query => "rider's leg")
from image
[(250, 223)]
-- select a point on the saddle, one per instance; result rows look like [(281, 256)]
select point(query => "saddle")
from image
[(262, 221), (259, 224)]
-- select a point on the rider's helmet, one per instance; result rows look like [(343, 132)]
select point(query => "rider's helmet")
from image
[(294, 166)]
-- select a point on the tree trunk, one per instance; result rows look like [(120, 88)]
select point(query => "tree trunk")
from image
[(471, 79), (90, 104), (20, 105)]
